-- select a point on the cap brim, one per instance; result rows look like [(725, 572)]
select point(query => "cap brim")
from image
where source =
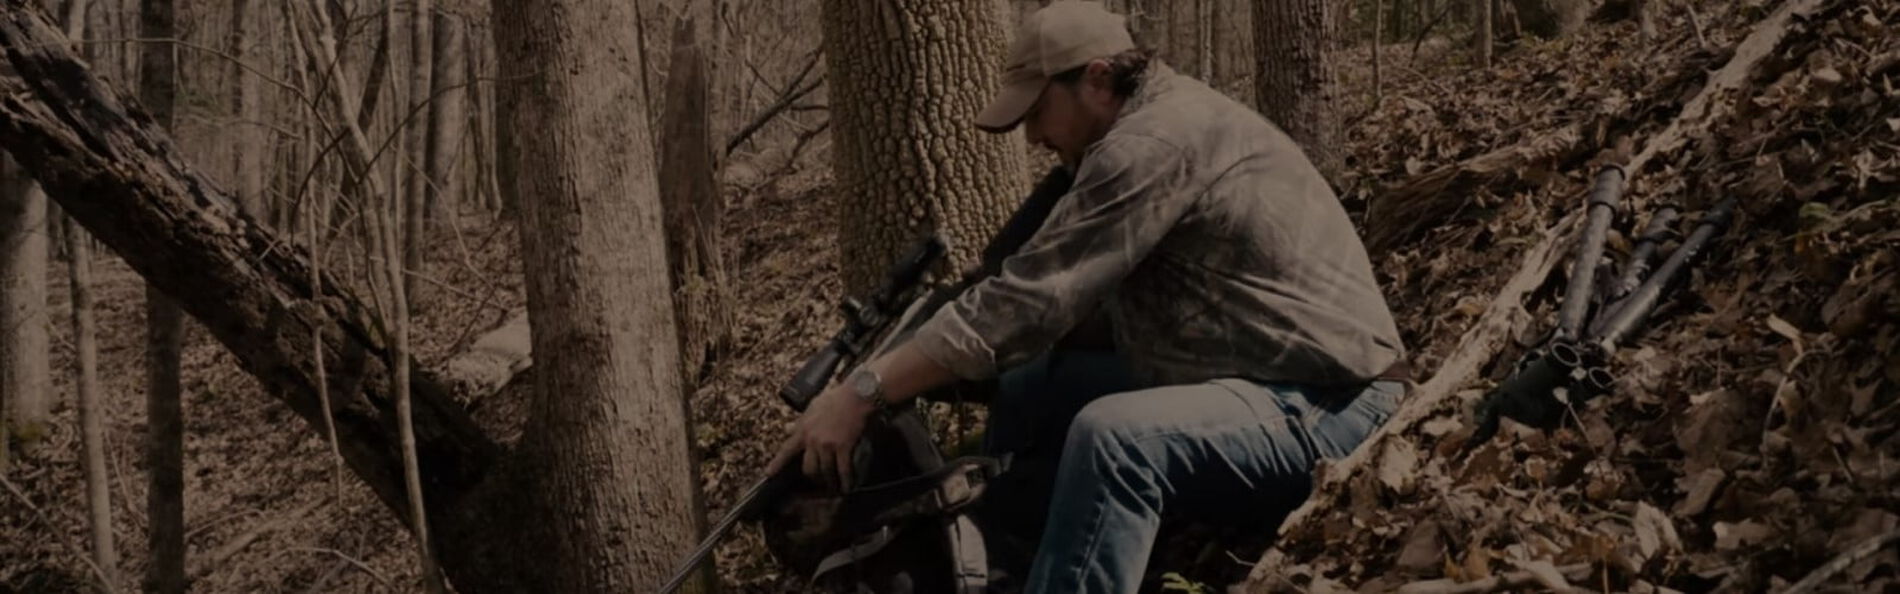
[(1011, 104)]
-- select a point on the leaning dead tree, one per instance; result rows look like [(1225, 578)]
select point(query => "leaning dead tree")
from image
[(117, 173), (120, 176)]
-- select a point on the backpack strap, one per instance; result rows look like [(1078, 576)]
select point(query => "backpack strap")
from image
[(859, 550), (940, 492), (970, 560)]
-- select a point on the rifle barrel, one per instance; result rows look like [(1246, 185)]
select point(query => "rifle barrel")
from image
[(1602, 206), (766, 489), (1640, 303)]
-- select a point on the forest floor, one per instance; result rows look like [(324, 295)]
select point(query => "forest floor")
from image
[(1752, 438)]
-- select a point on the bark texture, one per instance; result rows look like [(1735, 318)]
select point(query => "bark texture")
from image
[(25, 380), (448, 115), (907, 78), (1296, 84), (165, 337), (416, 172), (605, 460), (92, 422), (249, 162), (690, 196)]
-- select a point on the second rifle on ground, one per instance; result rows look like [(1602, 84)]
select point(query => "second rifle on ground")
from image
[(1572, 366)]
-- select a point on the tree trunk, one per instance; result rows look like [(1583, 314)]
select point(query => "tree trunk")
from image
[(1551, 19), (250, 142), (91, 410), (906, 79), (597, 467), (482, 126), (1487, 26), (605, 452), (1378, 45), (690, 203), (689, 195), (25, 379), (164, 446), (415, 123), (447, 116), (1295, 82)]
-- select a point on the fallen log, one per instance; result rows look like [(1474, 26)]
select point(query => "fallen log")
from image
[(1400, 214), (1506, 315)]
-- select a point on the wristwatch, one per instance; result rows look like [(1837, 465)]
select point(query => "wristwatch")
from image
[(867, 386)]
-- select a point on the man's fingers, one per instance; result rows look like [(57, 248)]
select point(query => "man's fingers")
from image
[(842, 458), (811, 464)]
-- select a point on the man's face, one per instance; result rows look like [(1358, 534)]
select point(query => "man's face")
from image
[(1071, 116)]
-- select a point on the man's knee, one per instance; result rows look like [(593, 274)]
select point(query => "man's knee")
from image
[(1108, 425)]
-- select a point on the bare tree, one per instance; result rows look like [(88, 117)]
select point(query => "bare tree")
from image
[(907, 159), (25, 379), (690, 196), (416, 136), (91, 409), (607, 431), (1295, 83), (165, 336), (248, 158), (92, 414), (604, 455), (1487, 26), (448, 115)]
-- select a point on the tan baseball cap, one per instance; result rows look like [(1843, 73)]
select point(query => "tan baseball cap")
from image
[(1053, 39)]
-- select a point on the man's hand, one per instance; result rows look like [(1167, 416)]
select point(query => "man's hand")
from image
[(832, 423), (826, 434)]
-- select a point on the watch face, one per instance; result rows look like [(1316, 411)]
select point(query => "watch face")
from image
[(864, 383)]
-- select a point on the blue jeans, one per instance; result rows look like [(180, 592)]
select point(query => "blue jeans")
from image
[(1231, 449)]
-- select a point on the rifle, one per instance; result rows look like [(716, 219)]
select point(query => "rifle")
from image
[(864, 322), (1574, 361)]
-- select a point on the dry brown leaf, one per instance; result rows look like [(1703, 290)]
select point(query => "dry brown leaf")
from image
[(1654, 532), (1786, 330), (1424, 548), (1699, 491), (1546, 574), (1398, 464), (1732, 536)]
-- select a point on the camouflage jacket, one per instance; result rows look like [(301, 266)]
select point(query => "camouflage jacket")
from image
[(1214, 245)]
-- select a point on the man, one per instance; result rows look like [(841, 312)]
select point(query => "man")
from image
[(1249, 336)]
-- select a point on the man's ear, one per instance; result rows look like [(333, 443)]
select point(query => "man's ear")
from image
[(1099, 75)]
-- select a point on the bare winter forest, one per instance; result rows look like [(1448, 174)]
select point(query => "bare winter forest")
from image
[(453, 295)]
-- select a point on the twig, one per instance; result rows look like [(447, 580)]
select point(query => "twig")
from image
[(242, 541), (786, 100), (40, 515), (1847, 559), (1695, 24), (1427, 30)]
